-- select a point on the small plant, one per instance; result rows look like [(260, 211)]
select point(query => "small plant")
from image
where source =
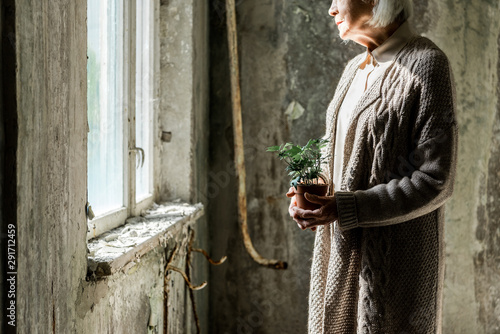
[(303, 162)]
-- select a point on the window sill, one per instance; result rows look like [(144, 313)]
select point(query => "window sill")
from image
[(122, 247)]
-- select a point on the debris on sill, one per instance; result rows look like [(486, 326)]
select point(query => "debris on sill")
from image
[(113, 250)]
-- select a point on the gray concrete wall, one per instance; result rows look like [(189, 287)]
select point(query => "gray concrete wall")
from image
[(289, 52), (468, 32), (183, 112), (133, 301), (51, 160), (53, 294), (286, 55), (175, 101), (182, 25), (199, 162)]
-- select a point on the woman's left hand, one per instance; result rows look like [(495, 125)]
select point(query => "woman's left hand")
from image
[(326, 214)]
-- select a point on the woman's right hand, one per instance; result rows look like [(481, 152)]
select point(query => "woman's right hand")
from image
[(293, 201), (293, 204)]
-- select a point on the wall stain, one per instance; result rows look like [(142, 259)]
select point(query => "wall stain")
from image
[(487, 261)]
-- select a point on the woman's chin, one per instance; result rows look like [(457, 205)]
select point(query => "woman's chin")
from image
[(343, 33), (344, 37)]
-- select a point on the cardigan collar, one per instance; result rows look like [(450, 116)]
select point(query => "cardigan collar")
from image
[(389, 49), (369, 96)]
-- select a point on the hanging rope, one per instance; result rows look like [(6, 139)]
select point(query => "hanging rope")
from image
[(238, 139)]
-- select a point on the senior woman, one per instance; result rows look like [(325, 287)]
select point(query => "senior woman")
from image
[(378, 262)]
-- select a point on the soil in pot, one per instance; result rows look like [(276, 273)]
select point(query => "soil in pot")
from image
[(316, 189)]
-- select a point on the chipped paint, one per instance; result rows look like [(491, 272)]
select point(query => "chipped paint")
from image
[(294, 110)]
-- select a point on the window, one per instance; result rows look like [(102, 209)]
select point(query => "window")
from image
[(121, 96)]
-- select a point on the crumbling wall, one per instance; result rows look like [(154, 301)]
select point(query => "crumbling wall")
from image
[(290, 52), (288, 55), (53, 293), (468, 32)]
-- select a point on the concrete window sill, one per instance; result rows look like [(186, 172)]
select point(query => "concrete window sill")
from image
[(122, 247)]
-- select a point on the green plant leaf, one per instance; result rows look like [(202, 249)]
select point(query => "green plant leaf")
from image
[(303, 162), (294, 150), (273, 149)]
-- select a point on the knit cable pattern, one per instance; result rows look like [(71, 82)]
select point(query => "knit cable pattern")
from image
[(379, 268)]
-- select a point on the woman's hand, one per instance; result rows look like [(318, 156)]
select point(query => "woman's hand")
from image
[(326, 214), (293, 205)]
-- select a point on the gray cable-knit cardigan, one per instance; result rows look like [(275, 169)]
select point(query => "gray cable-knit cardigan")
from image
[(380, 267)]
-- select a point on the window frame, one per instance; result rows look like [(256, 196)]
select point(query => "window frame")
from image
[(131, 207)]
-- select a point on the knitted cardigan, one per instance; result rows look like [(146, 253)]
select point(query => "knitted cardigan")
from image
[(380, 267)]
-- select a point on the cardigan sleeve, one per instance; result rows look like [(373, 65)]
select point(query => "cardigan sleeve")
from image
[(428, 171)]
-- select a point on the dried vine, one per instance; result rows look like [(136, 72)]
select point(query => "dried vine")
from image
[(186, 274)]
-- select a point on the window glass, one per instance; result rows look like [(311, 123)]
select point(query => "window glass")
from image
[(105, 109), (144, 95)]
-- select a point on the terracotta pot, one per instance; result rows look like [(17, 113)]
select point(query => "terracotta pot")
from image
[(316, 189)]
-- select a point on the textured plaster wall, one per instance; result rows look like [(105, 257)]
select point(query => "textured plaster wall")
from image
[(51, 161), (468, 31), (183, 112), (287, 54), (133, 301), (53, 295), (130, 302), (290, 52), (182, 69), (175, 100)]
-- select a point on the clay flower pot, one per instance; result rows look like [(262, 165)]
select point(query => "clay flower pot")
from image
[(315, 189)]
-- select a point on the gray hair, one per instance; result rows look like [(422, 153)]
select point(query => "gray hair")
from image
[(386, 12)]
